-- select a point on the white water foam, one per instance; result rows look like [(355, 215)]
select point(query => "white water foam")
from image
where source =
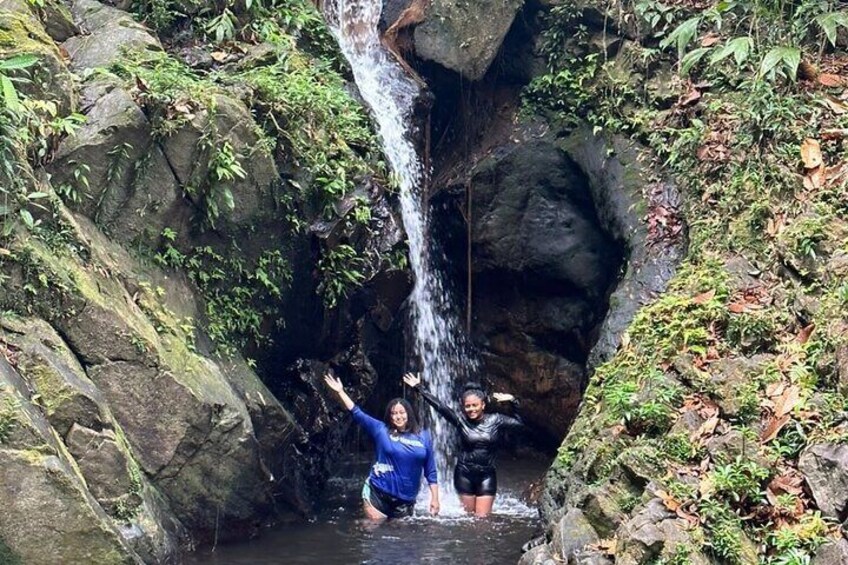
[(391, 92)]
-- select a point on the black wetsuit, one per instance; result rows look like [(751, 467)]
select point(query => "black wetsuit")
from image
[(479, 439)]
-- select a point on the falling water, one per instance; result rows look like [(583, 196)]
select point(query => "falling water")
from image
[(391, 93)]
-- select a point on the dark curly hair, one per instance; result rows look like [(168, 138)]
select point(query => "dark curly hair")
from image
[(412, 424), (473, 389)]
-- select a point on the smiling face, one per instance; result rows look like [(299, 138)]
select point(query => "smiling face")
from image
[(399, 417), (473, 406)]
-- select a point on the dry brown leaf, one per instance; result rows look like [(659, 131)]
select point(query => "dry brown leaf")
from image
[(774, 390), (804, 334), (828, 79), (836, 106), (709, 40), (706, 429), (787, 401), (692, 96), (5, 252), (670, 502), (704, 297), (772, 428), (219, 56), (737, 307), (811, 154)]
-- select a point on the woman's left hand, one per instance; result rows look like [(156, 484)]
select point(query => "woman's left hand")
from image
[(434, 507), (412, 380), (502, 397)]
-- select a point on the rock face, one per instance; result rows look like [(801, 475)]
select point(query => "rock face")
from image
[(49, 515), (465, 36), (542, 267), (111, 34), (825, 467)]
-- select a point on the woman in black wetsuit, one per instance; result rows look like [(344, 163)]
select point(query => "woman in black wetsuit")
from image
[(480, 435)]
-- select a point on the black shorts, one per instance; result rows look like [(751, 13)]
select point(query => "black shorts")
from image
[(386, 504), (475, 481)]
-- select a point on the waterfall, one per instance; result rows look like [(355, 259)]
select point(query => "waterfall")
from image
[(390, 92)]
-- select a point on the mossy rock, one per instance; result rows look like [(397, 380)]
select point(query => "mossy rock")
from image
[(21, 33)]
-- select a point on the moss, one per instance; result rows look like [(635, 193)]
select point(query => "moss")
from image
[(21, 33), (53, 390), (7, 556)]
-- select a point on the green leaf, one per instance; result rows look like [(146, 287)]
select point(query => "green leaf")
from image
[(739, 47), (830, 22), (18, 62), (682, 35), (27, 218), (692, 58), (10, 95), (36, 195), (788, 57)]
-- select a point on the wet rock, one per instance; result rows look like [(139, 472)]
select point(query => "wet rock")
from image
[(465, 37), (78, 413), (541, 268), (112, 33), (539, 555), (825, 468), (572, 534), (625, 192), (186, 422)]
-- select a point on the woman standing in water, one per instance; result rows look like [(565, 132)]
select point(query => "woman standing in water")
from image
[(404, 451), (480, 435)]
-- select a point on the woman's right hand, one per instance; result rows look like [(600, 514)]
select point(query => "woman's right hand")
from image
[(412, 380), (334, 383)]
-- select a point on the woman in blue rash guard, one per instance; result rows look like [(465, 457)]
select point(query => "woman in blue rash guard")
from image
[(480, 436), (404, 452)]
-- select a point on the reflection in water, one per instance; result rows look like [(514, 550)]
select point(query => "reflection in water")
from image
[(340, 536)]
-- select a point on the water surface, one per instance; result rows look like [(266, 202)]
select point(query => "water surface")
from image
[(339, 535)]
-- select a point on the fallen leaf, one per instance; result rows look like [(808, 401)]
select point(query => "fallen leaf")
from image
[(5, 252), (219, 56), (709, 40), (787, 401), (811, 154), (704, 297), (737, 308), (772, 428), (804, 334), (775, 389), (828, 79), (670, 502), (836, 106), (692, 96)]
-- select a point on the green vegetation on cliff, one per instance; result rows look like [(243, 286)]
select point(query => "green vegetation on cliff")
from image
[(744, 103)]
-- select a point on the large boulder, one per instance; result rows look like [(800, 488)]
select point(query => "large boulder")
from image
[(825, 468), (128, 201), (22, 33), (542, 266), (187, 422), (82, 421), (465, 36), (112, 34), (48, 514)]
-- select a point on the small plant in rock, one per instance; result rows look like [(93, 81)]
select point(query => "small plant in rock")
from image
[(739, 482), (724, 530), (341, 271)]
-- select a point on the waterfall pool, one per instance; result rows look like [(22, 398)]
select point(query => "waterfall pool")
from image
[(340, 536)]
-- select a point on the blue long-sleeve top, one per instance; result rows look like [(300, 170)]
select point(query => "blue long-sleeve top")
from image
[(401, 458)]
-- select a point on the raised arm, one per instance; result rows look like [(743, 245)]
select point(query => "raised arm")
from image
[(414, 382), (512, 421), (372, 425)]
